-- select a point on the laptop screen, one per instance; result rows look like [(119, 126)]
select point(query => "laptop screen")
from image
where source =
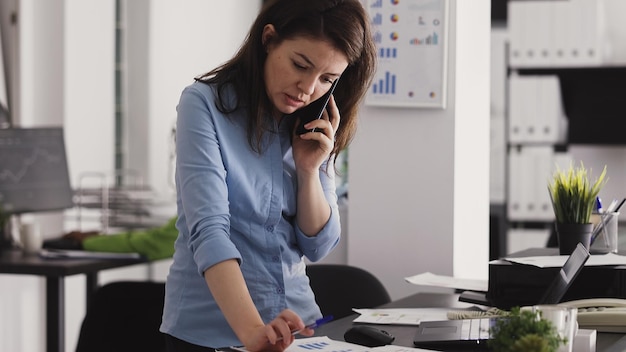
[(565, 277)]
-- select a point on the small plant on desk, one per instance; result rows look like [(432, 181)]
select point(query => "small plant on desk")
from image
[(524, 331), (573, 194)]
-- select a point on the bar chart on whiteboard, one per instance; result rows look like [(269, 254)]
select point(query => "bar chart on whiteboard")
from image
[(410, 37)]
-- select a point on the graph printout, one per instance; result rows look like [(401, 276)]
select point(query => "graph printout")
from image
[(410, 37)]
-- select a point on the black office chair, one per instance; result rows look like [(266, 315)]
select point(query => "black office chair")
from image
[(124, 316), (339, 288)]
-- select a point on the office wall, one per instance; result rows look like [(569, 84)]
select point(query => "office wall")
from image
[(163, 58), (419, 178)]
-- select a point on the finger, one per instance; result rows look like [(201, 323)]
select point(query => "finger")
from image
[(284, 334), (271, 334), (306, 332), (292, 318)]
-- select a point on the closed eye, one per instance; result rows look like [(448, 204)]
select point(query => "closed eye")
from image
[(299, 66)]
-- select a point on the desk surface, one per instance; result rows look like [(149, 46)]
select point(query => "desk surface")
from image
[(14, 261), (606, 342)]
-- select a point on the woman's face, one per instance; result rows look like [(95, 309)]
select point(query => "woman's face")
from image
[(299, 70)]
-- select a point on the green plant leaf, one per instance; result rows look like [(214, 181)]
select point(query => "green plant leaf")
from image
[(524, 331), (573, 195)]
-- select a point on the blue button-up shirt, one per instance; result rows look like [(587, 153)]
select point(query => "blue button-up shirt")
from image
[(236, 203)]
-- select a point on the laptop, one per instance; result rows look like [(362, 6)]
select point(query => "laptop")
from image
[(473, 334)]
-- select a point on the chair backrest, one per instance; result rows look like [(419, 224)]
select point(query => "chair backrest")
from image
[(124, 316), (339, 288)]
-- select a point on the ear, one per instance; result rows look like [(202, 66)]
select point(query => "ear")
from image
[(269, 32)]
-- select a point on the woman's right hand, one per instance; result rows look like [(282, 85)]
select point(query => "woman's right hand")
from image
[(277, 335)]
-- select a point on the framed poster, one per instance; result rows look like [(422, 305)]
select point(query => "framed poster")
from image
[(411, 39)]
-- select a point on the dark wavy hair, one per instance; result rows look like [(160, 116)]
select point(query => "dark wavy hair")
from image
[(344, 23)]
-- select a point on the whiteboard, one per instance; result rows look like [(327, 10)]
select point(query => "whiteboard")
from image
[(411, 41)]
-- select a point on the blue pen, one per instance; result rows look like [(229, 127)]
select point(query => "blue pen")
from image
[(317, 323)]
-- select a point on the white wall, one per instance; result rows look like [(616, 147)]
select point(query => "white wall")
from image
[(419, 194), (182, 42)]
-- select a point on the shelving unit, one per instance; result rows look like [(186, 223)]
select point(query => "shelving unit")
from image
[(562, 91), (102, 205)]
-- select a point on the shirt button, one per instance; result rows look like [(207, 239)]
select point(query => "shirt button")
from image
[(275, 258), (270, 228), (280, 290)]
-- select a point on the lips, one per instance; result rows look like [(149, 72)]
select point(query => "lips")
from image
[(290, 101)]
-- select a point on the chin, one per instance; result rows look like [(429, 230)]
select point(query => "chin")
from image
[(287, 109)]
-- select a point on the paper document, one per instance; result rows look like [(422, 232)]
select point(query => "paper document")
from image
[(325, 344), (394, 348), (400, 316), (68, 254), (430, 279), (557, 261)]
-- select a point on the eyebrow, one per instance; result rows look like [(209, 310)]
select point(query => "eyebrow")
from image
[(305, 58)]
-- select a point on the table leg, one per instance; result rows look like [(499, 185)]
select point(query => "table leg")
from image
[(55, 314), (91, 285)]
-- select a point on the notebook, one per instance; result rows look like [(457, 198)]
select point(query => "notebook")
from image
[(474, 333)]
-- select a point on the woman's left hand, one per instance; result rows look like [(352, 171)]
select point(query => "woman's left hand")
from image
[(311, 149)]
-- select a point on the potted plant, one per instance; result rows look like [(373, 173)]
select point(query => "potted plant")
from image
[(524, 331), (573, 199)]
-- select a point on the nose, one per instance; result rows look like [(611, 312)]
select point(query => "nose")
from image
[(307, 85)]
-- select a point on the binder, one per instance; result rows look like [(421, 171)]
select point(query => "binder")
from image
[(516, 109), (543, 158), (550, 118), (497, 194), (540, 34), (564, 42), (517, 22), (515, 201), (523, 108)]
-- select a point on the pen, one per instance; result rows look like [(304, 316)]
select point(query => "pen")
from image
[(315, 324), (613, 208)]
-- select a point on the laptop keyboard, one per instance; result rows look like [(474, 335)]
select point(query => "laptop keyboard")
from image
[(476, 329)]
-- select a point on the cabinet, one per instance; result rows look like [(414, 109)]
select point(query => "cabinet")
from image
[(563, 104)]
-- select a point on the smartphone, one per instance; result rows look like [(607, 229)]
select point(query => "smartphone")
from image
[(313, 111)]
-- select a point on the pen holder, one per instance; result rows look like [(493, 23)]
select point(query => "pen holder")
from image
[(604, 235)]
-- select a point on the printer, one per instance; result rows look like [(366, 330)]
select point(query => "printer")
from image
[(513, 284)]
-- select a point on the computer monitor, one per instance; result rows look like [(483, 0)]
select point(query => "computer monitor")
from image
[(34, 174)]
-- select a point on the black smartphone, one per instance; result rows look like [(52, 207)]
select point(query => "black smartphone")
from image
[(313, 111)]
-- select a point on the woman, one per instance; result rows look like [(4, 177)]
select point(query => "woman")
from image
[(253, 197)]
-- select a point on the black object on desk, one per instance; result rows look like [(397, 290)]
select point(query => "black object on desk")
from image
[(369, 336), (55, 271), (513, 284)]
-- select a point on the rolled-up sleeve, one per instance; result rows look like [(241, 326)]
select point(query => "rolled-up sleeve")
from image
[(317, 247)]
